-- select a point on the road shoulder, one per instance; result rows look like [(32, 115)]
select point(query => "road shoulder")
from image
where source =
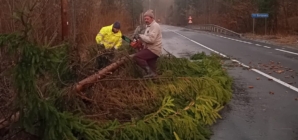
[(259, 110)]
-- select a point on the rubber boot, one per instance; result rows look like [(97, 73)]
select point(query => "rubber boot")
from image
[(149, 72)]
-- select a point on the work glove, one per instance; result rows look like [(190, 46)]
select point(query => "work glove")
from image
[(136, 36), (113, 49), (140, 36), (101, 46)]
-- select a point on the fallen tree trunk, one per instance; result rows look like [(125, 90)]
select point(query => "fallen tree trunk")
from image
[(100, 74), (79, 86), (13, 118)]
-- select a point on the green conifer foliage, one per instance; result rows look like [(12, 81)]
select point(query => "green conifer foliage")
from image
[(180, 104)]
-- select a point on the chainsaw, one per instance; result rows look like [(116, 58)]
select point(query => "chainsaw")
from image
[(135, 43)]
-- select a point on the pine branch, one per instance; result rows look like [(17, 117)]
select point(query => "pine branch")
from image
[(100, 74), (191, 94)]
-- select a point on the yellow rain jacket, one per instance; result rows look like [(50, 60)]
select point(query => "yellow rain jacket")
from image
[(108, 38)]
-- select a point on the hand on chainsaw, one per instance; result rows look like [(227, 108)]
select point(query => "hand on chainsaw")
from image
[(137, 44), (114, 49)]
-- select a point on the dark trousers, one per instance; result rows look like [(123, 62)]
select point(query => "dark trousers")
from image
[(105, 58), (145, 58)]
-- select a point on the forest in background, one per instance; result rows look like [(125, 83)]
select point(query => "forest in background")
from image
[(85, 18), (232, 14)]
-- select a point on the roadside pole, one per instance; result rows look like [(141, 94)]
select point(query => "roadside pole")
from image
[(253, 26), (64, 19), (259, 15), (265, 25)]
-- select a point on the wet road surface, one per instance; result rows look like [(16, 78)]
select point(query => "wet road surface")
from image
[(268, 111)]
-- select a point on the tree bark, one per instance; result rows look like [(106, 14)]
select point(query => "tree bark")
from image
[(275, 19), (5, 122), (284, 6), (64, 19), (100, 74)]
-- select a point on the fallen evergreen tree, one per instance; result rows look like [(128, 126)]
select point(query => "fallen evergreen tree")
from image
[(183, 102)]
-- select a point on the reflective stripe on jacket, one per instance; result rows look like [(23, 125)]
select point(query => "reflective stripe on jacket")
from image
[(108, 38)]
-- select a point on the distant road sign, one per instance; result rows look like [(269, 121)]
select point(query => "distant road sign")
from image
[(189, 20), (260, 15)]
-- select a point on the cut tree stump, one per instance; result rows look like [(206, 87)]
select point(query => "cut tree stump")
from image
[(101, 74)]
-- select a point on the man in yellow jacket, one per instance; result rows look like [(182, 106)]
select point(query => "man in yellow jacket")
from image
[(110, 36)]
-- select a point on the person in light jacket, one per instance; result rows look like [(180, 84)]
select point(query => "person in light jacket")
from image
[(152, 40)]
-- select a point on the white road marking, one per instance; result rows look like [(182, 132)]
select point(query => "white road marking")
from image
[(276, 80), (248, 42), (255, 70), (286, 51), (207, 48), (234, 39), (240, 63), (237, 40), (242, 41), (267, 47), (200, 44), (255, 44)]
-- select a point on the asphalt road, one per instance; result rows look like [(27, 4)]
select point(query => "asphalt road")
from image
[(253, 114)]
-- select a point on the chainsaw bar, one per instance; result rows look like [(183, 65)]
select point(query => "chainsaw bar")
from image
[(127, 39), (135, 44)]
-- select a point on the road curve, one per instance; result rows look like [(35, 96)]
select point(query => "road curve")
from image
[(266, 112)]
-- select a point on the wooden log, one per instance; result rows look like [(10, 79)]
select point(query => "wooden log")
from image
[(5, 122), (100, 74)]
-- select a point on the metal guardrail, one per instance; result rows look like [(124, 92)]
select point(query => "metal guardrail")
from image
[(214, 28)]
